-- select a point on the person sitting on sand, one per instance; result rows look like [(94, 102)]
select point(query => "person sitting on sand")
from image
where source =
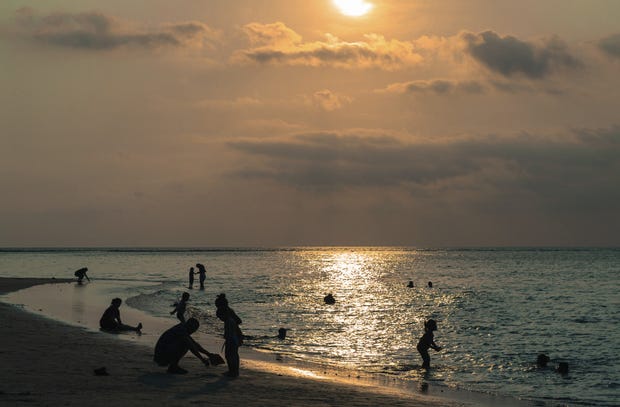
[(111, 319), (232, 334), (427, 341), (179, 307), (329, 299), (80, 274), (410, 285), (173, 344)]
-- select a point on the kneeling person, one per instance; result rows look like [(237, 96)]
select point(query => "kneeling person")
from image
[(174, 344)]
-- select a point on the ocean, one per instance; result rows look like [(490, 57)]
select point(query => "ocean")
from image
[(496, 308)]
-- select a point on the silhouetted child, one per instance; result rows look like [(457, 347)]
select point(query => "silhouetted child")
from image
[(80, 274), (427, 341), (191, 277), (329, 299), (282, 333), (410, 285), (179, 307), (430, 284), (111, 319), (232, 334)]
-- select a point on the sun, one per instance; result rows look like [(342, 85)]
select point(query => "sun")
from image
[(353, 8)]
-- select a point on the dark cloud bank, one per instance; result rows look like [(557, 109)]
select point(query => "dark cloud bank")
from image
[(511, 56), (578, 170), (611, 45), (97, 31)]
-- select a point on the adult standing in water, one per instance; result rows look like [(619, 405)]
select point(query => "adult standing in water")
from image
[(202, 273)]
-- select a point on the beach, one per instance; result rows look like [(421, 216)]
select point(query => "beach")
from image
[(49, 363)]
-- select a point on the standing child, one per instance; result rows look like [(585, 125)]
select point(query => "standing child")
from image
[(427, 341), (179, 307), (191, 277)]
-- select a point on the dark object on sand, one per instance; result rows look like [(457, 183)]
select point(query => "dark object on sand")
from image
[(215, 359), (410, 285), (101, 372), (542, 360), (562, 368), (282, 333), (430, 284), (329, 299)]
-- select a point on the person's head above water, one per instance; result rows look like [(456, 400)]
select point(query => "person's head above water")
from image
[(185, 296), (192, 325), (117, 302), (542, 360)]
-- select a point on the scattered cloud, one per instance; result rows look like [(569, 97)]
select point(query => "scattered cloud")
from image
[(278, 44), (98, 31), (510, 56), (436, 86), (610, 45), (329, 101)]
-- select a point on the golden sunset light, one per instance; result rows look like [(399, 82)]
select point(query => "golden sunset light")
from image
[(353, 8)]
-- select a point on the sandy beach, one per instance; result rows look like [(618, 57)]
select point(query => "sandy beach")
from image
[(48, 363)]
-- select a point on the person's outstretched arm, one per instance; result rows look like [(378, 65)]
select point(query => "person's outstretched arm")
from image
[(196, 349)]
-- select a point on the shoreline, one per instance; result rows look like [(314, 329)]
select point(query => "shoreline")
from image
[(135, 379)]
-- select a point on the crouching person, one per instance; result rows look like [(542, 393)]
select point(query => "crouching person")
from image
[(174, 344)]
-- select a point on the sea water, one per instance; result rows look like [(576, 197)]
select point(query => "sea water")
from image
[(496, 308)]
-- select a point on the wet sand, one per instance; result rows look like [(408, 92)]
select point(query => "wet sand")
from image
[(49, 363)]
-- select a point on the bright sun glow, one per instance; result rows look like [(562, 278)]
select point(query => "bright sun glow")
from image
[(354, 8)]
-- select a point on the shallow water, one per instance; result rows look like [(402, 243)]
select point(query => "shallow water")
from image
[(496, 308)]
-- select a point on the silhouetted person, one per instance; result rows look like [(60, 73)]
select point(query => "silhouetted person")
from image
[(111, 319), (81, 274), (202, 275), (430, 284), (562, 368), (542, 360), (191, 277), (179, 307), (410, 285), (329, 299), (427, 341), (233, 337), (282, 333), (173, 344)]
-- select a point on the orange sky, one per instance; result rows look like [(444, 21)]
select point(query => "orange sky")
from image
[(283, 123)]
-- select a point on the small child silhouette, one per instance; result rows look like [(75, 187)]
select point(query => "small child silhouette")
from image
[(427, 341)]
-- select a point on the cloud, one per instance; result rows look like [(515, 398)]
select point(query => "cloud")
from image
[(577, 168), (97, 31), (436, 86), (610, 45), (510, 56), (277, 44), (329, 101)]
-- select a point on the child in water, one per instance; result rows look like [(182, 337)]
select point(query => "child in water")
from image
[(179, 307), (427, 341)]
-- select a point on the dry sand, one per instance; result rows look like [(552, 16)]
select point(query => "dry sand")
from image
[(48, 363)]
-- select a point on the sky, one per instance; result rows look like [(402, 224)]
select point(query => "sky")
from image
[(423, 123)]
